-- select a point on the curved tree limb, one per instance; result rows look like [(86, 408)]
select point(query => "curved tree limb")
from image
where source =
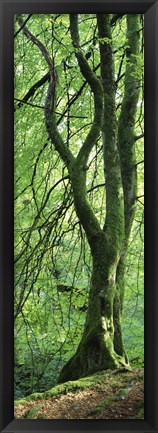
[(50, 117), (75, 167), (24, 23), (84, 211), (96, 88), (35, 41)]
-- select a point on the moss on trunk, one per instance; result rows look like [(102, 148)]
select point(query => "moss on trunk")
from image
[(101, 346), (96, 350), (126, 134)]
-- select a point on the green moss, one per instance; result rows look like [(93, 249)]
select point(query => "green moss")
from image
[(140, 413), (96, 349), (126, 135), (101, 380), (19, 402), (102, 406), (30, 413), (41, 416), (70, 386)]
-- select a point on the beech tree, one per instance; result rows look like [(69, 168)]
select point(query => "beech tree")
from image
[(81, 127)]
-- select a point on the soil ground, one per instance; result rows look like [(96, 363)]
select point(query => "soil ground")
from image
[(106, 395)]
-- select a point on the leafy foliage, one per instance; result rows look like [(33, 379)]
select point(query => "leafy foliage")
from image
[(52, 257)]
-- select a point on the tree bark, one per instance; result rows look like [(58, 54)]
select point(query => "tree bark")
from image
[(96, 350), (101, 346), (126, 146)]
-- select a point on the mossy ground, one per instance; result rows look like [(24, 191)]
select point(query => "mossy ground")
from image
[(104, 395)]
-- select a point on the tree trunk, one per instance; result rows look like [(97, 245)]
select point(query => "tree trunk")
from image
[(96, 350), (126, 145), (101, 346), (118, 307)]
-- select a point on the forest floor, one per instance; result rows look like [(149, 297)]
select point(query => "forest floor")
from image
[(105, 395)]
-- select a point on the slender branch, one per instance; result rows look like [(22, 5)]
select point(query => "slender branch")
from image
[(24, 23), (96, 186), (56, 112), (33, 89), (35, 41), (50, 117), (140, 201), (140, 162), (137, 137), (21, 102), (115, 18), (119, 76), (139, 196)]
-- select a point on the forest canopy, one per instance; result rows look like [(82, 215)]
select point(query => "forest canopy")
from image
[(79, 196)]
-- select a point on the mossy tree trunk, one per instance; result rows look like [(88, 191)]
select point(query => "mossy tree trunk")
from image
[(126, 146), (101, 346)]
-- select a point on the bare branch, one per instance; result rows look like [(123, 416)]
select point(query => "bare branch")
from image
[(50, 117), (137, 137), (33, 89), (24, 23)]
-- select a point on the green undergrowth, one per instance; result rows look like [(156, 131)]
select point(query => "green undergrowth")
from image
[(30, 413), (100, 379), (70, 386)]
